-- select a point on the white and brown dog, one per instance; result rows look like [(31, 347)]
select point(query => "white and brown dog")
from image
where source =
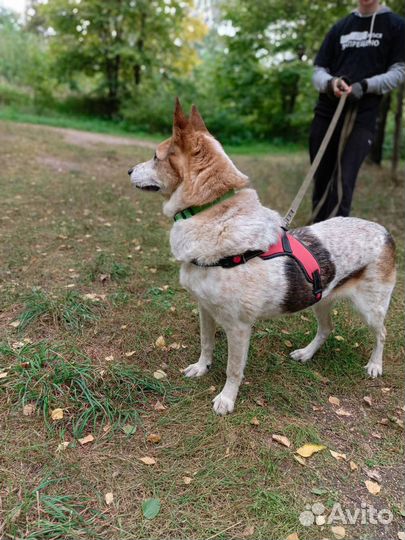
[(356, 257)]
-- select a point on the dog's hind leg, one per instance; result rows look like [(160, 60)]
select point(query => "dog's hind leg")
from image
[(372, 301), (238, 345), (322, 313), (207, 334)]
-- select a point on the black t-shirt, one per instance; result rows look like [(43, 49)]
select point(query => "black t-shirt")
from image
[(349, 51)]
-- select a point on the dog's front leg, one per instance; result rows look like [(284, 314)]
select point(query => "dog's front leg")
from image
[(207, 333), (238, 347)]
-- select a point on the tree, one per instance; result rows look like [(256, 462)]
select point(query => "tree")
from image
[(118, 42)]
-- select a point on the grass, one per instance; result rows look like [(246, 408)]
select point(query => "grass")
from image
[(86, 270)]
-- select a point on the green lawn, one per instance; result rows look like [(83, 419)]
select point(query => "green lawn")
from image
[(88, 285)]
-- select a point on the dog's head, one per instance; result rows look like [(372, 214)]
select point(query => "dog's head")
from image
[(189, 169)]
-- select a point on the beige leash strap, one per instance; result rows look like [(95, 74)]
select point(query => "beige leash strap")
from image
[(315, 164)]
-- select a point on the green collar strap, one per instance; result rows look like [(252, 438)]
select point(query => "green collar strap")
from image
[(193, 210)]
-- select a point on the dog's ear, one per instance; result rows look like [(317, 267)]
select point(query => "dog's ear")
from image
[(180, 120), (196, 120)]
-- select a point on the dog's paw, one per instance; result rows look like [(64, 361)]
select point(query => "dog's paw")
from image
[(195, 370), (373, 369), (223, 404), (302, 355)]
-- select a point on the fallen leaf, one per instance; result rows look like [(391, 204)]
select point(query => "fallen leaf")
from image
[(282, 440), (401, 535), (334, 400), (304, 318), (308, 449), (3, 374), (353, 466), (293, 536), (160, 343), (338, 531), (284, 331), (15, 324), (29, 409), (376, 435), (339, 338), (109, 358), (62, 446), (248, 532), (175, 346), (373, 487), (374, 475), (367, 400), (300, 460), (342, 412), (87, 439), (154, 438), (385, 390), (160, 374), (158, 406), (109, 498), (255, 421), (150, 508), (187, 480), (130, 353), (57, 414), (107, 428), (338, 456), (319, 491), (384, 421), (129, 429), (288, 343), (148, 460)]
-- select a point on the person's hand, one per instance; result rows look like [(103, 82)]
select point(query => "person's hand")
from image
[(336, 87), (358, 89)]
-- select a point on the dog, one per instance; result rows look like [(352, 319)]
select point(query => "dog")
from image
[(219, 216)]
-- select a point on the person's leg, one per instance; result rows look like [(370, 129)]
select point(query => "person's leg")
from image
[(326, 167), (355, 152)]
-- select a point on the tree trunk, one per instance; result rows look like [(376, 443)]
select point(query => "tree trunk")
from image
[(376, 153), (113, 69), (140, 46), (397, 133)]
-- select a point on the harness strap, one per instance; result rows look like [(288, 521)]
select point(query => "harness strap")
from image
[(287, 245)]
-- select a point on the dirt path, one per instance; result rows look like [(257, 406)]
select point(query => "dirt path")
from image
[(89, 138)]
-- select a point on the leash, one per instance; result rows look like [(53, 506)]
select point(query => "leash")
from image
[(315, 164)]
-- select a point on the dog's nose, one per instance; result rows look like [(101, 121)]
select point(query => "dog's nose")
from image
[(130, 171)]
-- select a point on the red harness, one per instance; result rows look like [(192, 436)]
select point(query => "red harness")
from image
[(289, 246)]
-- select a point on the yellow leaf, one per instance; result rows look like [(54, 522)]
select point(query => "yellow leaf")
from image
[(255, 421), (175, 346), (300, 460), (288, 343), (342, 412), (148, 460), (187, 480), (353, 466), (160, 343), (62, 446), (57, 414), (3, 374), (160, 374), (373, 487), (15, 324), (109, 358), (338, 531), (248, 531), (292, 536), (87, 439), (109, 498), (308, 449), (338, 456), (130, 353), (339, 338), (29, 409), (334, 400), (154, 438), (281, 439)]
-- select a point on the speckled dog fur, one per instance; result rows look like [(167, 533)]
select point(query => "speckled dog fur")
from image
[(357, 257)]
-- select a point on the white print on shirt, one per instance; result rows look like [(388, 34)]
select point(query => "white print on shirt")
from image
[(360, 39)]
